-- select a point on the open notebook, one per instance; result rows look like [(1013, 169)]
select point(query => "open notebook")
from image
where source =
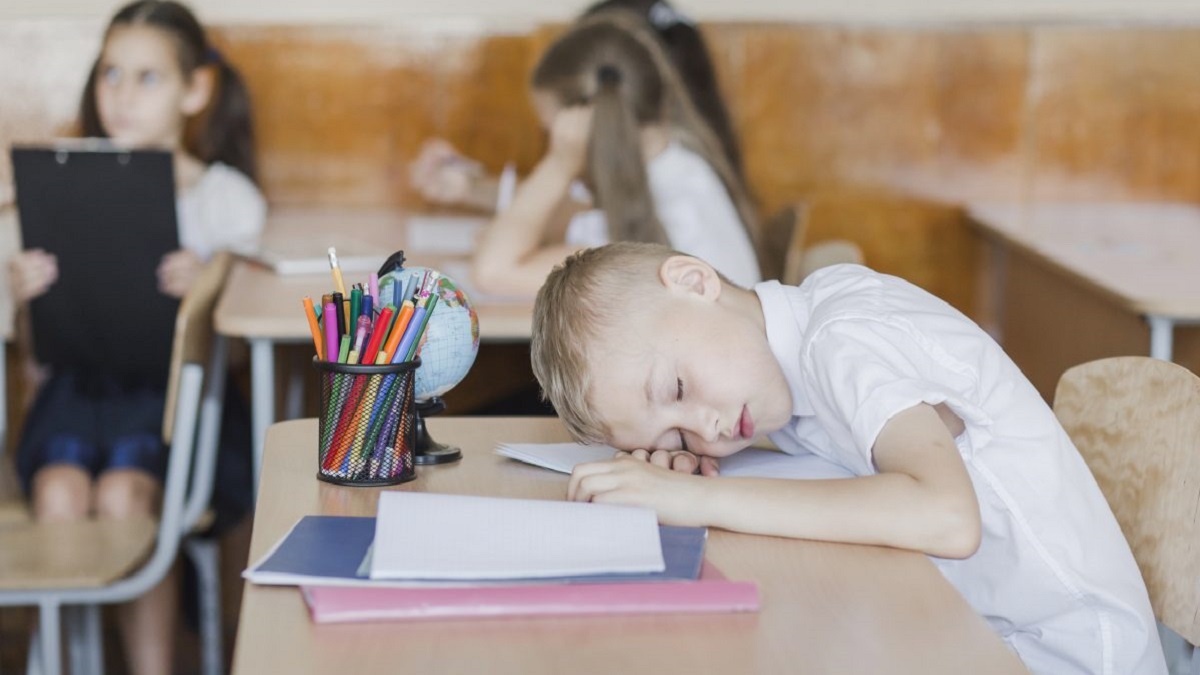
[(437, 536), (749, 463)]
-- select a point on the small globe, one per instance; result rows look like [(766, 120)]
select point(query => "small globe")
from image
[(451, 338)]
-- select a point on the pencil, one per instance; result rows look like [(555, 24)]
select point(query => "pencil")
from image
[(336, 271)]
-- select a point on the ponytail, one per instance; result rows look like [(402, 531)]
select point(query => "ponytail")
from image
[(224, 132), (616, 166)]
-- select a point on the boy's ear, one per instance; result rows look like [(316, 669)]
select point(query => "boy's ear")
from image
[(199, 91), (688, 275)]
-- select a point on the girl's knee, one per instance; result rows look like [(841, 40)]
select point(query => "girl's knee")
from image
[(126, 493), (61, 493)]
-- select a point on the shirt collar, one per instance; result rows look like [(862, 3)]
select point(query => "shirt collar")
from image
[(786, 318)]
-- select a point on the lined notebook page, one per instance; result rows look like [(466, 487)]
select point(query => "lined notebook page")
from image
[(749, 463), (435, 536)]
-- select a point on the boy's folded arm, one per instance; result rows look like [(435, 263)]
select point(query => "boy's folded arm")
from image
[(922, 498)]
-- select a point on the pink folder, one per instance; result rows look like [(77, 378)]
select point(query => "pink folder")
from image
[(712, 593)]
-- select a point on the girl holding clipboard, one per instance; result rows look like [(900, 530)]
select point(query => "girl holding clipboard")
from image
[(91, 444)]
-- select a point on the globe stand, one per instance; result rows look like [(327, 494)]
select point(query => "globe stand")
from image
[(429, 451)]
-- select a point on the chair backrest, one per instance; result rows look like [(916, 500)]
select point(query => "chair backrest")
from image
[(779, 232), (1136, 421), (194, 330), (826, 253)]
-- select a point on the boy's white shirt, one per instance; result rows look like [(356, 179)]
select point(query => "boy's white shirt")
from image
[(222, 211), (1053, 574), (694, 208)]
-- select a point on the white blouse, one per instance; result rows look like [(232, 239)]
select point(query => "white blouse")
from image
[(223, 211), (696, 211)]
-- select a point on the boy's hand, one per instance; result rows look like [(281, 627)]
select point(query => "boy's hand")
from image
[(178, 271), (676, 460), (625, 480), (569, 139), (31, 273)]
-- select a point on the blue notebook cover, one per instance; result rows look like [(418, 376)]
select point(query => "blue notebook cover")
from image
[(329, 551)]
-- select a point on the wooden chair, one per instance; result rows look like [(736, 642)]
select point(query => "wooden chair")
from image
[(780, 232), (1136, 421), (79, 566)]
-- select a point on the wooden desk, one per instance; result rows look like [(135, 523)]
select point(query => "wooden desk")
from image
[(827, 608), (1145, 257), (264, 308)]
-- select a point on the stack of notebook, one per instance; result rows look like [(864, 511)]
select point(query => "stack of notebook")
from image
[(432, 556)]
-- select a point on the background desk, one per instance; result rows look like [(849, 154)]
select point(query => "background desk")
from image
[(1071, 281), (827, 608), (265, 309)]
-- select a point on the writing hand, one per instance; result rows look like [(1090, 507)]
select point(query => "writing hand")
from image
[(673, 495), (31, 273), (677, 460), (569, 136), (178, 271), (443, 175)]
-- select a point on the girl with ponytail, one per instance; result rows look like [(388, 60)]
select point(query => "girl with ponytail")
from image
[(623, 127), (91, 445)]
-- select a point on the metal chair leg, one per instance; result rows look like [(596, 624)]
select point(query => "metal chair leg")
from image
[(33, 660), (93, 638), (50, 636), (204, 555)]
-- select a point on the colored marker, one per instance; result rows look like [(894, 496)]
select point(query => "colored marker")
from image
[(367, 306), (310, 313), (416, 345), (397, 333), (356, 295), (372, 351), (331, 331), (373, 286), (342, 320), (344, 349)]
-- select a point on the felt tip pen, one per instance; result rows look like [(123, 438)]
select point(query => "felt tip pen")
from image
[(371, 353), (397, 333), (416, 345), (410, 335), (331, 331), (367, 307), (344, 349), (373, 286), (356, 296), (339, 307), (310, 313)]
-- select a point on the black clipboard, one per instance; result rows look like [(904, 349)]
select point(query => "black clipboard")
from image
[(109, 216)]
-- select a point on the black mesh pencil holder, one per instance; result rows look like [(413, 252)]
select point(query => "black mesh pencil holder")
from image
[(368, 423)]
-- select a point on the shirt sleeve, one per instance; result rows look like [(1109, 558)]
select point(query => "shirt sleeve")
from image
[(865, 371)]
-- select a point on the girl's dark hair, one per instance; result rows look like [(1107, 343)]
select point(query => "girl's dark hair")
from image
[(686, 48), (223, 131), (613, 62)]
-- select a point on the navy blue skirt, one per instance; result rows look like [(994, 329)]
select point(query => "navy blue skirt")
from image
[(101, 424)]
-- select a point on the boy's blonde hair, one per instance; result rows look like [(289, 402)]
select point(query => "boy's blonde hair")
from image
[(593, 291)]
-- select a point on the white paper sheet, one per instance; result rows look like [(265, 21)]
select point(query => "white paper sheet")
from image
[(451, 235), (749, 463), (437, 536)]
